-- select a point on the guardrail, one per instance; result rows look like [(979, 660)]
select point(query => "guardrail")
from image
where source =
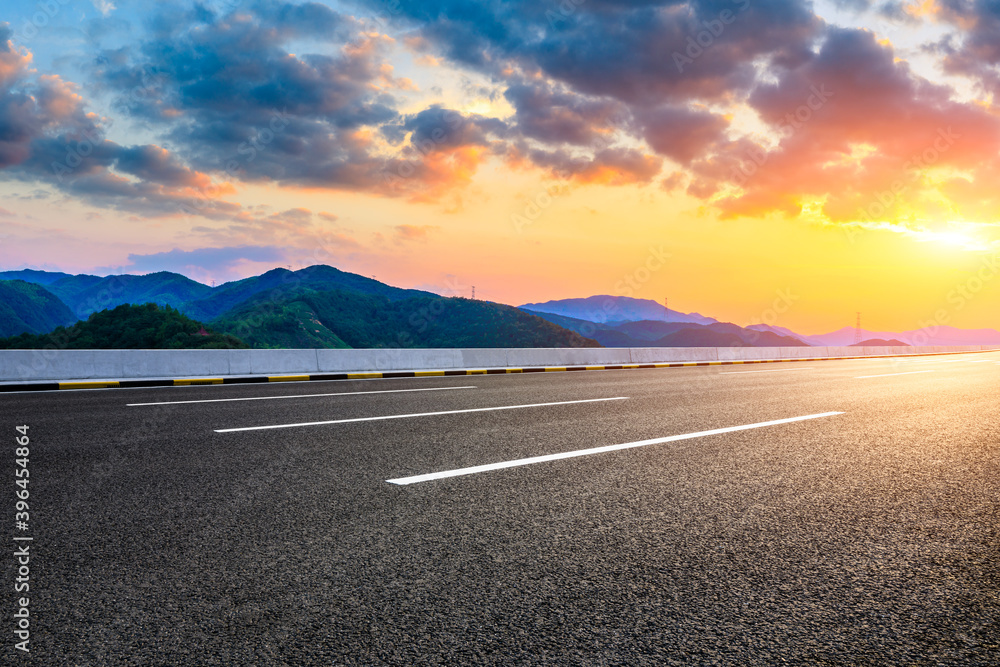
[(33, 365)]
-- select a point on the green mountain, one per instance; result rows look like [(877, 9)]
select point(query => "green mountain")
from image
[(30, 308), (318, 306), (294, 323), (340, 318), (89, 294), (33, 276), (86, 294), (279, 283), (68, 287), (145, 327)]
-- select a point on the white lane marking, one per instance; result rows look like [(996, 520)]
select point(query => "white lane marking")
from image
[(944, 361), (885, 375), (418, 414), (270, 398), (938, 361), (402, 481), (779, 370)]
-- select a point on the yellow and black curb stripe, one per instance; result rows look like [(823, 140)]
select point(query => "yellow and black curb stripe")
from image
[(386, 375)]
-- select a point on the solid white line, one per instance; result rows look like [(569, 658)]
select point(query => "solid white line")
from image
[(780, 370), (418, 414), (885, 375), (269, 398), (402, 481)]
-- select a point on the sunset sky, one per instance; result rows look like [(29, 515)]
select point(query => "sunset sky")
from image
[(837, 156)]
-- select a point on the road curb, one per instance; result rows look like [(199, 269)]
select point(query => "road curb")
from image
[(386, 375)]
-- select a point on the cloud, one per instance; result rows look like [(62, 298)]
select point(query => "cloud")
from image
[(551, 114), (14, 63), (437, 127), (444, 150), (620, 50), (605, 76), (156, 164), (604, 92), (232, 101), (680, 133), (597, 93), (105, 7), (405, 233), (212, 260), (610, 166), (673, 181), (973, 49), (855, 123), (301, 239), (47, 135), (227, 93)]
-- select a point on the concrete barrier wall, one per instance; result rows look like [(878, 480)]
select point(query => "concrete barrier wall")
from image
[(651, 355), (30, 365), (567, 356)]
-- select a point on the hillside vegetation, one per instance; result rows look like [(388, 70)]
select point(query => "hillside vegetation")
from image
[(282, 283), (340, 318), (149, 326), (33, 276), (30, 308), (89, 294)]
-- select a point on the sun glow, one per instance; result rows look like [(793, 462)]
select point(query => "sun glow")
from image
[(954, 239)]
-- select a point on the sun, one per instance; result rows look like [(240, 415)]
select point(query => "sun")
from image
[(957, 239), (953, 238)]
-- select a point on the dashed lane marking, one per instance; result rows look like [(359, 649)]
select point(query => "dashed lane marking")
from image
[(417, 414), (885, 375), (403, 481), (777, 370)]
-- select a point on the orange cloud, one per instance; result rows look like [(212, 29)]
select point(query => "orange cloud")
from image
[(860, 133), (14, 63), (405, 233)]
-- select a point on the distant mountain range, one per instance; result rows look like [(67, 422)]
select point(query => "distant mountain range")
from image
[(606, 308), (619, 312), (281, 282), (654, 333), (937, 335), (33, 276), (318, 306), (347, 318), (879, 342), (321, 306)]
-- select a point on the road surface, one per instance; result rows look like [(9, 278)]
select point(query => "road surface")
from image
[(836, 513)]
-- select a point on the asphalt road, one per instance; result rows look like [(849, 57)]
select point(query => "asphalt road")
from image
[(865, 537)]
